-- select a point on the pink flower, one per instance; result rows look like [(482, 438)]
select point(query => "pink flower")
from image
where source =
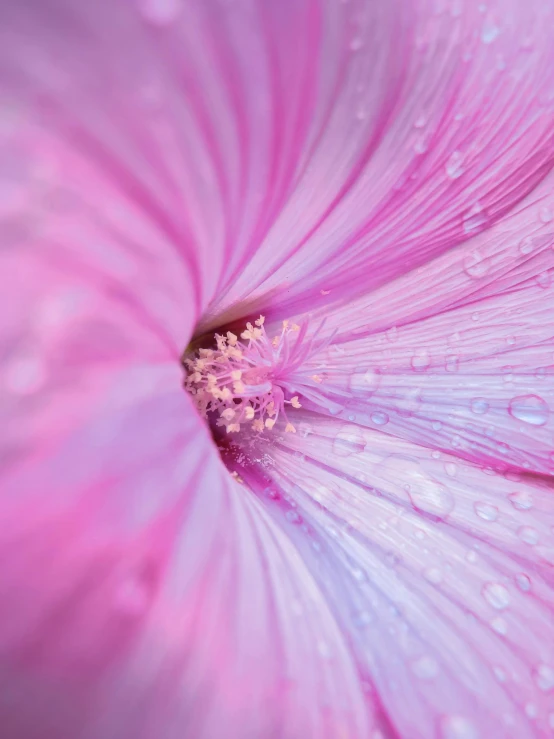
[(358, 540)]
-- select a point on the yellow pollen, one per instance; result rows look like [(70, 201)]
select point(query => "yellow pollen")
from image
[(316, 378), (232, 338), (238, 387), (232, 428), (269, 423), (295, 402), (236, 374), (258, 425), (289, 428), (249, 412), (228, 413), (260, 321)]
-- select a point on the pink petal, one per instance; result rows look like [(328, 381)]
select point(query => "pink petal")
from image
[(440, 571), (461, 358)]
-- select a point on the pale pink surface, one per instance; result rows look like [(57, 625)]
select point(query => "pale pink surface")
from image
[(388, 572)]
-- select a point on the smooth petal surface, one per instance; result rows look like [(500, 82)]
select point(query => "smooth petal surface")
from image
[(440, 571)]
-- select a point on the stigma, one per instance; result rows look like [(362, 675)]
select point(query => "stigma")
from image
[(246, 380)]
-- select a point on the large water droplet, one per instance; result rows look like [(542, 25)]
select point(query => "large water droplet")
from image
[(421, 360), (489, 32), (425, 668), (479, 406), (433, 575), (476, 265), (496, 595), (365, 381), (528, 535), (523, 582), (499, 625), (454, 165), (474, 219), (545, 214), (530, 409), (486, 511), (348, 441), (522, 500), (379, 418), (544, 677), (544, 279), (457, 727)]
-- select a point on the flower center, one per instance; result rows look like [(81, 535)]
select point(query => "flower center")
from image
[(249, 381)]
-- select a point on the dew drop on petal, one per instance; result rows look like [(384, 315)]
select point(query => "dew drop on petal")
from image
[(530, 409), (545, 214), (420, 360), (523, 582), (347, 442), (528, 535), (489, 32), (521, 500), (474, 219), (430, 496), (479, 406), (457, 727), (379, 418), (486, 511), (366, 381), (425, 668), (496, 595), (544, 279), (544, 677), (476, 265), (433, 575), (499, 625), (454, 165)]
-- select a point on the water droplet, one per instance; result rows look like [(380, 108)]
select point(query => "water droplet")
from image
[(486, 511), (420, 360), (365, 381), (545, 214), (421, 145), (348, 441), (420, 121), (160, 12), (379, 418), (479, 406), (499, 625), (521, 500), (476, 265), (457, 727), (544, 677), (544, 279), (433, 575), (496, 595), (531, 710), (425, 668), (451, 469), (523, 582), (454, 165), (530, 409), (489, 32), (293, 516), (528, 535), (474, 219)]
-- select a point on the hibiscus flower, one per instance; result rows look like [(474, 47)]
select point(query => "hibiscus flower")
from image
[(277, 369)]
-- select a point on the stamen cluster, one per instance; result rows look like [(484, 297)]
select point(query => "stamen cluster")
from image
[(243, 381)]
